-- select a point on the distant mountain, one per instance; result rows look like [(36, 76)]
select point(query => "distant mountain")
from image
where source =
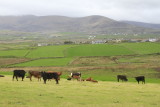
[(90, 25), (142, 24)]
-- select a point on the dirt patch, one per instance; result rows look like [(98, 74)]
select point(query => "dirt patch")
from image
[(87, 61), (9, 61)]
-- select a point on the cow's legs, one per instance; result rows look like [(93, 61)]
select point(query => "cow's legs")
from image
[(13, 78), (30, 78), (22, 78), (56, 81), (44, 81), (16, 78)]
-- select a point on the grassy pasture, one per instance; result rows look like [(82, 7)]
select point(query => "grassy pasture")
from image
[(142, 48), (98, 50), (13, 53), (48, 51), (45, 62), (73, 51), (79, 94)]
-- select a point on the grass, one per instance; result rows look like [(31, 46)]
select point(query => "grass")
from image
[(48, 51), (72, 51), (45, 62), (97, 50), (13, 53), (79, 94), (143, 48)]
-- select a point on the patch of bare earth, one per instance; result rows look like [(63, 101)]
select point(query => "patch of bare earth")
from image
[(92, 61), (9, 61)]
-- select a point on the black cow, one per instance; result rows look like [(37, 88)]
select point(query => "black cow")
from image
[(121, 77), (1, 75), (140, 78), (50, 75), (18, 73)]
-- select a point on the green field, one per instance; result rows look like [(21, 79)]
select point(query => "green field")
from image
[(98, 50), (48, 51), (13, 53), (143, 48), (46, 62), (102, 62), (79, 94), (74, 51)]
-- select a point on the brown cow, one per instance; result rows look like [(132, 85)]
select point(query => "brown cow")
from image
[(36, 74), (95, 81), (89, 79)]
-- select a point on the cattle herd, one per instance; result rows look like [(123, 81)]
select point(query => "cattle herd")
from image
[(124, 78), (56, 76)]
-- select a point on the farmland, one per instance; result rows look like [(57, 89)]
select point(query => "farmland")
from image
[(79, 94), (102, 62), (132, 59)]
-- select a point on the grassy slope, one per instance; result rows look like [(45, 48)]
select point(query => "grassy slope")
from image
[(79, 94), (98, 50), (87, 50), (13, 53), (48, 51), (46, 62), (142, 48)]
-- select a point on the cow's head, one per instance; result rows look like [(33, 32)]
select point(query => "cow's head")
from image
[(125, 79)]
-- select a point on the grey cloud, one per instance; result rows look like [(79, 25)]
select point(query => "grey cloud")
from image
[(137, 10)]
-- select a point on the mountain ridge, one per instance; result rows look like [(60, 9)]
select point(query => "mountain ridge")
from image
[(94, 24)]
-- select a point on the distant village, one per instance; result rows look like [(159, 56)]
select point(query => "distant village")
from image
[(92, 40)]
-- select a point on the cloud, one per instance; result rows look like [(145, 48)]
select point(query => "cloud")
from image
[(137, 10)]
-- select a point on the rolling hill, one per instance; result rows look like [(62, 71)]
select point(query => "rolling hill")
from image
[(89, 25)]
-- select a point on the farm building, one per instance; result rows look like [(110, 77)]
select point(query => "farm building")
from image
[(99, 42)]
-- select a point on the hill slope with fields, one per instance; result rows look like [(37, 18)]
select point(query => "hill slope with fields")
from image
[(89, 25), (55, 54)]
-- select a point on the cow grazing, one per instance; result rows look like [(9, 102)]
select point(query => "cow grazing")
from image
[(36, 74), (121, 77), (1, 75), (76, 75), (59, 74), (18, 73), (69, 78), (89, 79), (50, 75), (140, 78), (95, 81)]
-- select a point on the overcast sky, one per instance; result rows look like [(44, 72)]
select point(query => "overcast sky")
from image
[(135, 10)]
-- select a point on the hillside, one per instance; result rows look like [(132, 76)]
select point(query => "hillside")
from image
[(89, 25), (142, 24)]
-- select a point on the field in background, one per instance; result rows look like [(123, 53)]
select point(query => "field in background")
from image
[(101, 61), (38, 54)]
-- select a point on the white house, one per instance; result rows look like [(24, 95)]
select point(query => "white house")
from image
[(152, 40)]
